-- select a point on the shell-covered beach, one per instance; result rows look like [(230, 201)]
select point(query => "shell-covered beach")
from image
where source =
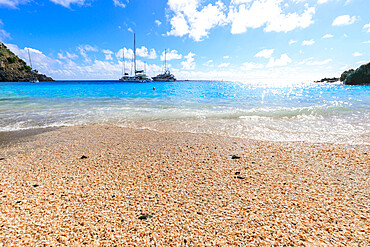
[(106, 185)]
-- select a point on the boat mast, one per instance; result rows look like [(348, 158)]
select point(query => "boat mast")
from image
[(134, 54), (29, 57), (165, 60), (123, 61)]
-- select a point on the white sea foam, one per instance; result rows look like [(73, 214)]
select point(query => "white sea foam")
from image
[(307, 112)]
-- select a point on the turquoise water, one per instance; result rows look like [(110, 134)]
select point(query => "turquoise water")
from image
[(300, 112)]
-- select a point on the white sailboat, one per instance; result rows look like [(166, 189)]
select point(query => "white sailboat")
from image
[(33, 78), (139, 75), (166, 75)]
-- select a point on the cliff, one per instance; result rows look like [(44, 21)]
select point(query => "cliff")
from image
[(360, 76), (12, 68)]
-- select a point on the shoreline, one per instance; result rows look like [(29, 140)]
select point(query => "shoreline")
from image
[(109, 185), (16, 136)]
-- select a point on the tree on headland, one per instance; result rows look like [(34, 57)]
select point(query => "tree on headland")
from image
[(360, 76)]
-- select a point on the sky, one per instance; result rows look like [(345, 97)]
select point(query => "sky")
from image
[(236, 40)]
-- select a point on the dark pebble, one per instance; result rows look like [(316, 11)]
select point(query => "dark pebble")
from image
[(2, 158), (83, 157), (235, 157), (237, 173), (199, 213), (149, 176), (145, 216), (19, 201), (253, 162), (35, 185), (240, 177)]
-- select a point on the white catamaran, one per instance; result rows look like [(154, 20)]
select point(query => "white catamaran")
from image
[(139, 75), (166, 76)]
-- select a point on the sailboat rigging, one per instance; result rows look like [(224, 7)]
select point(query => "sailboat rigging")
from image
[(33, 78), (139, 75), (166, 76)]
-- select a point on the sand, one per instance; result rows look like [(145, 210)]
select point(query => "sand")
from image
[(106, 186)]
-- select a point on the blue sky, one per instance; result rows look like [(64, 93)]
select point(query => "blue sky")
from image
[(244, 40)]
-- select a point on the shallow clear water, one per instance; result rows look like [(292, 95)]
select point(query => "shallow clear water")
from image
[(300, 112)]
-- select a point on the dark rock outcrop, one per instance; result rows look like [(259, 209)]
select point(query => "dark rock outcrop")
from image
[(328, 80), (12, 68), (344, 75), (360, 76)]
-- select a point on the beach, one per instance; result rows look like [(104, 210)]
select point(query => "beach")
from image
[(101, 185)]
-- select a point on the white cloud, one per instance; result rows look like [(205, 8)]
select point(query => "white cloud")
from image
[(367, 26), (357, 54), (158, 22), (12, 3), (223, 65), (40, 61), (308, 42), (344, 20), (188, 20), (3, 34), (130, 30), (327, 36), (292, 42), (108, 54), (61, 56), (129, 53), (189, 64), (71, 55), (226, 57), (83, 48), (209, 63), (282, 61), (266, 53), (362, 62), (171, 55), (268, 13), (67, 56), (67, 3), (319, 62), (192, 19), (366, 42), (250, 66), (143, 52), (322, 1), (118, 3)]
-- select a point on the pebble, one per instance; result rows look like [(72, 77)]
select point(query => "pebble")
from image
[(145, 216), (83, 157), (235, 157), (202, 203)]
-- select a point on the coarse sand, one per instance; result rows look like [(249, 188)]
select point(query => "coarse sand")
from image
[(106, 186)]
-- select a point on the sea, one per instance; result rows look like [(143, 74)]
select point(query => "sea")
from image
[(308, 112)]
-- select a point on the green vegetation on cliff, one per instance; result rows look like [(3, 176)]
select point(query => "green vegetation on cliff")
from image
[(360, 76), (12, 68)]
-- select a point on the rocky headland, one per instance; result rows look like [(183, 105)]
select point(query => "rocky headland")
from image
[(13, 68), (360, 76)]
